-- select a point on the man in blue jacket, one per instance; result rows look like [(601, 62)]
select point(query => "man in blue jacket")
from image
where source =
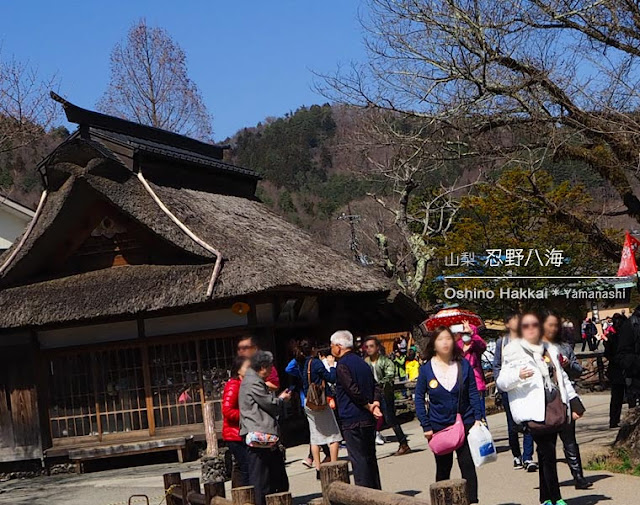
[(358, 407)]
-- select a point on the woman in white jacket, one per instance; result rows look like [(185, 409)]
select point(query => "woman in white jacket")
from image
[(529, 372)]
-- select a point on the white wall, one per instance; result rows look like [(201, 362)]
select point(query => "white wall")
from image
[(12, 224)]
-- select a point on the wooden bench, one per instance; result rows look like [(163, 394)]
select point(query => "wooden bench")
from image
[(79, 456)]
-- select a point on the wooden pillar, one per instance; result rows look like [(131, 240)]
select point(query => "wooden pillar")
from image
[(279, 499), (172, 482), (210, 428), (189, 486), (148, 394), (449, 492), (243, 495), (212, 489), (337, 471)]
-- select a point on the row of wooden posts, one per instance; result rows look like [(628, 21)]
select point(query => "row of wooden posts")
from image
[(336, 490)]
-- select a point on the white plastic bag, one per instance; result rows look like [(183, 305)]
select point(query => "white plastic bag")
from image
[(481, 444)]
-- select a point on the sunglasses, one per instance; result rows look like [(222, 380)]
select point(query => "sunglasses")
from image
[(527, 326)]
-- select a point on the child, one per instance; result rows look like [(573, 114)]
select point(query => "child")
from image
[(399, 360), (412, 366)]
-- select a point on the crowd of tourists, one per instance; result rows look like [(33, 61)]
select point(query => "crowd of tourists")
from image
[(347, 391)]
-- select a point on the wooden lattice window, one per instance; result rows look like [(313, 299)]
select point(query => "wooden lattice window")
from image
[(216, 357), (175, 384), (120, 390), (72, 410)]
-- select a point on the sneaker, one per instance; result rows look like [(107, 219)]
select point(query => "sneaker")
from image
[(548, 502), (380, 439), (560, 502), (530, 466), (517, 463)]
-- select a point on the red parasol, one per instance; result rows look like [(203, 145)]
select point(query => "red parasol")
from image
[(447, 317)]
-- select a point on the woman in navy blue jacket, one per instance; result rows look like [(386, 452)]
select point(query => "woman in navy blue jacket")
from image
[(439, 380)]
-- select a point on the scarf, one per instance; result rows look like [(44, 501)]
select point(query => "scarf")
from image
[(537, 351)]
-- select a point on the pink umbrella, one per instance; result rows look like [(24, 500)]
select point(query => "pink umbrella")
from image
[(448, 317)]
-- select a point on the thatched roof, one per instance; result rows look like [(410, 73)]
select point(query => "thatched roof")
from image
[(261, 251)]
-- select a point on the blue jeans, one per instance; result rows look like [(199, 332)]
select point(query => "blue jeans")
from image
[(514, 442)]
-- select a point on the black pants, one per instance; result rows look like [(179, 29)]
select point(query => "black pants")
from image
[(361, 446), (572, 450), (444, 464), (388, 407), (615, 407), (548, 473), (267, 473), (240, 475)]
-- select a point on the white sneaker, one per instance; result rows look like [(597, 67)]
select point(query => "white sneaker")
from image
[(380, 439)]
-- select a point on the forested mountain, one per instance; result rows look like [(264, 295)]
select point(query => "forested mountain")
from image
[(308, 176), (19, 178)]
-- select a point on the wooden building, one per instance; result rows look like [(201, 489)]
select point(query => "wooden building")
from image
[(109, 338)]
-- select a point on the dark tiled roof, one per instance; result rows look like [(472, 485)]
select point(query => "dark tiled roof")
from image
[(149, 139), (149, 146)]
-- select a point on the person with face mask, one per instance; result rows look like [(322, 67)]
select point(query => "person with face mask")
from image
[(473, 346)]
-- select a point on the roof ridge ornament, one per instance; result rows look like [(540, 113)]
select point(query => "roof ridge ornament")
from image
[(188, 232)]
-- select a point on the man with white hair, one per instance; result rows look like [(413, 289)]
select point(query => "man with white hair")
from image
[(358, 408)]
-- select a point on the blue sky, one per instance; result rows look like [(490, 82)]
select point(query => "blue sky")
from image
[(250, 58)]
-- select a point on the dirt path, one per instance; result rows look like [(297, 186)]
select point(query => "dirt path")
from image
[(410, 474)]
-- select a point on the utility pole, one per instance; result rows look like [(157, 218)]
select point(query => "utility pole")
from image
[(354, 245)]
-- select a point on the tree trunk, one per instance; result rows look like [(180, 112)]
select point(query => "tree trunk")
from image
[(629, 435)]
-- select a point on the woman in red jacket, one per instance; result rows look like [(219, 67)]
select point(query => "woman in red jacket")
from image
[(231, 421)]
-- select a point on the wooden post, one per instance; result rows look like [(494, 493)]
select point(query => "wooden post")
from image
[(337, 471), (172, 482), (449, 492), (212, 489), (279, 499), (243, 495), (210, 428), (346, 494), (189, 486)]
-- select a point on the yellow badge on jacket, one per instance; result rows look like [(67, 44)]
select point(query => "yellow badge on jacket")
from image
[(433, 383)]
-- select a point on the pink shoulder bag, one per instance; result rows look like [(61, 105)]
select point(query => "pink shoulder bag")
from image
[(452, 437)]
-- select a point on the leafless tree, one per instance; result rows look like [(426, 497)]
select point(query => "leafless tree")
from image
[(404, 157), (557, 77), (150, 84), (26, 112)]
